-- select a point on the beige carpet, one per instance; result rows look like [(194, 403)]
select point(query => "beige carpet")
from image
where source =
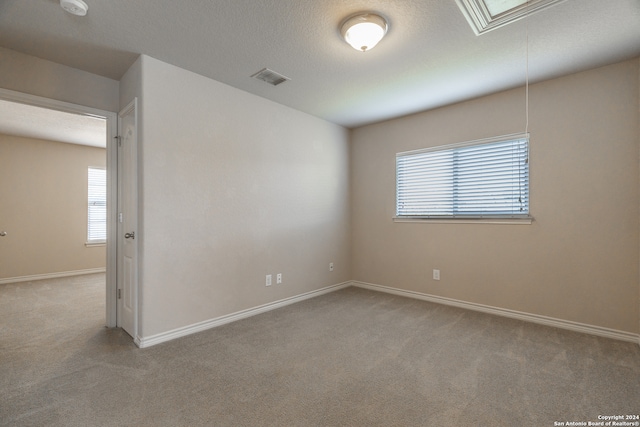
[(350, 358)]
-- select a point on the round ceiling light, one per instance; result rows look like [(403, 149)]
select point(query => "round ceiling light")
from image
[(364, 30), (75, 7)]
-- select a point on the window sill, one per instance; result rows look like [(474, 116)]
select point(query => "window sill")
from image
[(95, 244), (513, 221)]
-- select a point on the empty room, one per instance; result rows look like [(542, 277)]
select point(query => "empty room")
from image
[(434, 221)]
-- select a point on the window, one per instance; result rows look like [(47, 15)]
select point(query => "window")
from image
[(97, 210), (479, 179)]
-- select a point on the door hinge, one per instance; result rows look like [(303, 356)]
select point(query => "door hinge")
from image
[(119, 293), (119, 138)]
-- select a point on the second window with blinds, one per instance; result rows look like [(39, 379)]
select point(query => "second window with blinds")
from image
[(97, 206), (484, 179)]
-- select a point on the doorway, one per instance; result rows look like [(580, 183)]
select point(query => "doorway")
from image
[(111, 314)]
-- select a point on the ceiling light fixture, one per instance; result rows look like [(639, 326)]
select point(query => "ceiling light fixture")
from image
[(74, 7), (364, 30)]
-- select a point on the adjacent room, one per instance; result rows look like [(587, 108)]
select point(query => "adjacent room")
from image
[(53, 167), (296, 225)]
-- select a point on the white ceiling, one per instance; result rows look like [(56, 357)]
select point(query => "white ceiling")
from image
[(429, 58), (36, 122)]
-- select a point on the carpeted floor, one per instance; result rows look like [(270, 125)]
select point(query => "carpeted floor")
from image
[(349, 358)]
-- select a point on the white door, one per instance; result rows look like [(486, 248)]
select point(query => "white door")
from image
[(128, 220)]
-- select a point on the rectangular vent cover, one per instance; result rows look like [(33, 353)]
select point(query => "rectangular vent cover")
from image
[(270, 76)]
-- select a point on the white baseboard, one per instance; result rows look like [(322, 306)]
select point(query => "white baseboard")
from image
[(52, 275), (528, 317), (143, 342)]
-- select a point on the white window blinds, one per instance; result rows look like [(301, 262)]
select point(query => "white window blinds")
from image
[(479, 179), (97, 211)]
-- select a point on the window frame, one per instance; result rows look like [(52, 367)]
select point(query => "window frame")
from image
[(487, 217), (95, 241)]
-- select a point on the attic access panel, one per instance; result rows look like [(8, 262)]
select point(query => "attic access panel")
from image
[(487, 15), (497, 7)]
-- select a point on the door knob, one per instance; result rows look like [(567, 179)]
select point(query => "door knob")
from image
[(131, 235), (3, 233)]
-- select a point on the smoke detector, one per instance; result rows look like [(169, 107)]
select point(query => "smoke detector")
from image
[(74, 7)]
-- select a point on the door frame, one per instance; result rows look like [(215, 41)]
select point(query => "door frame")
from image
[(112, 183)]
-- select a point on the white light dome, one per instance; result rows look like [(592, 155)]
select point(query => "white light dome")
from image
[(364, 31)]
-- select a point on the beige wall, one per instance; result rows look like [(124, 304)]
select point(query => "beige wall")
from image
[(234, 187), (35, 76), (43, 208), (578, 261)]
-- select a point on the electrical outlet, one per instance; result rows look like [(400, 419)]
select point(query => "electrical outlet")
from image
[(268, 281), (279, 278), (436, 274), (330, 266)]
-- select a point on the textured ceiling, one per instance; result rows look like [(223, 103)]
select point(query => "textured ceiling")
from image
[(35, 122), (430, 56)]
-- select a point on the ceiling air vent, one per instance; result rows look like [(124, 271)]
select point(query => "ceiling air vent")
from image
[(270, 76)]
